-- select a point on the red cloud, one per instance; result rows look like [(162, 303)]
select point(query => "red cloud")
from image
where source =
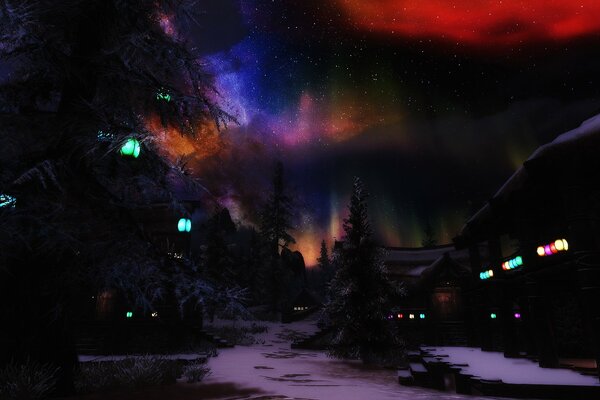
[(477, 22)]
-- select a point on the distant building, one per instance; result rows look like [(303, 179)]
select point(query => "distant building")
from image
[(436, 281), (539, 292), (524, 274)]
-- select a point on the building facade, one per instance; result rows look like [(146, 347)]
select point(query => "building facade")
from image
[(538, 294), (523, 276)]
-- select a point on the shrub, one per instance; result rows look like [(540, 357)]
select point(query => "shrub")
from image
[(195, 371), (129, 373), (28, 381), (97, 376), (242, 336)]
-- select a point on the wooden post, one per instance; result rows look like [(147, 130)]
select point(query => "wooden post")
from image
[(584, 244), (509, 331), (492, 299), (539, 314), (473, 301)]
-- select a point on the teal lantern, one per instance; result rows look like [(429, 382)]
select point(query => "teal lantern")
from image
[(184, 225), (129, 314), (7, 201), (105, 136), (493, 316), (131, 148)]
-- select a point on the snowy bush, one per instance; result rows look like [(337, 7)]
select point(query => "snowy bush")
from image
[(95, 377), (240, 336), (27, 381), (130, 373), (147, 371), (195, 371)]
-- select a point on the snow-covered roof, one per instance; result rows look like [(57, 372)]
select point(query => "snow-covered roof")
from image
[(418, 254), (586, 134), (588, 130)]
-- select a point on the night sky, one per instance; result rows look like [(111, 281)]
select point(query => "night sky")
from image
[(432, 103)]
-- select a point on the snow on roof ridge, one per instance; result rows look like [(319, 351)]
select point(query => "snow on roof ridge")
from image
[(589, 127)]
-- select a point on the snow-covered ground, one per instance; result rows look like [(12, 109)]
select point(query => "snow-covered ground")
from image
[(273, 370), (494, 366)]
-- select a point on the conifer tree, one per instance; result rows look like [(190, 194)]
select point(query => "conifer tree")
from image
[(429, 239), (274, 228), (325, 268), (87, 78), (323, 261), (360, 294), (277, 214)]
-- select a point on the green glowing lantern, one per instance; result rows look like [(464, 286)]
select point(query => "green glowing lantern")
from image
[(131, 148), (493, 316), (184, 225), (422, 316), (162, 95), (129, 314), (7, 201)]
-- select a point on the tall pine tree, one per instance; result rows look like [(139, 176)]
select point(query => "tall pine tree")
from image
[(275, 224), (429, 239), (323, 261), (360, 296), (87, 78), (325, 269)]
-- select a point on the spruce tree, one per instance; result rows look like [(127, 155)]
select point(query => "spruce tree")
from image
[(325, 268), (275, 225), (360, 296), (429, 239), (87, 79), (276, 215), (323, 261)]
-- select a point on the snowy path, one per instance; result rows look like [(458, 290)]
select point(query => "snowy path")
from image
[(273, 370)]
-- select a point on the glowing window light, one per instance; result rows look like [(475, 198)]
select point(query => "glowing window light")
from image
[(411, 316), (400, 316), (553, 248), (131, 148), (184, 225), (422, 316), (493, 316), (517, 315), (486, 274), (129, 314), (7, 201), (513, 263)]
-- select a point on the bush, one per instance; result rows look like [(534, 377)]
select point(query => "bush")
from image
[(27, 381), (130, 373), (148, 371), (97, 376), (195, 372), (241, 336)]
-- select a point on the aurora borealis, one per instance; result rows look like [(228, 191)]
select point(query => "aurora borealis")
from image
[(432, 103)]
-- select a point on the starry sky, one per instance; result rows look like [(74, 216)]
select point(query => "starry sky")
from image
[(432, 103)]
